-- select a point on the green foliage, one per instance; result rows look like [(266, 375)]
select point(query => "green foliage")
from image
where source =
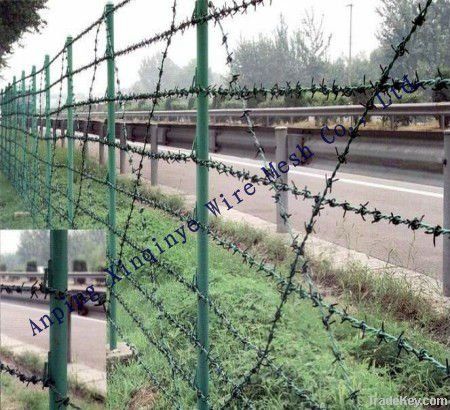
[(34, 247), (16, 18), (174, 75), (427, 49)]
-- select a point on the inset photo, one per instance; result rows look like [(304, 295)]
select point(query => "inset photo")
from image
[(52, 319)]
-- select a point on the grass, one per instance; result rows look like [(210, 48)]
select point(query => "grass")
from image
[(16, 395), (249, 299), (9, 204)]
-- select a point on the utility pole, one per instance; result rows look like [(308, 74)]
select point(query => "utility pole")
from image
[(350, 43)]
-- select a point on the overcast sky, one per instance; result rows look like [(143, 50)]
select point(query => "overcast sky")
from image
[(142, 18), (9, 241)]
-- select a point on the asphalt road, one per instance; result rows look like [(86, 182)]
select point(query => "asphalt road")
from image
[(395, 244), (88, 333)]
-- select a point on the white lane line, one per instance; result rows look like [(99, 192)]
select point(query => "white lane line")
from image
[(319, 176), (46, 311)]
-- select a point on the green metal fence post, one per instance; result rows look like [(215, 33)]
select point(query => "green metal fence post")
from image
[(6, 156), (6, 134), (2, 129), (35, 135), (202, 148), (14, 125), (47, 138), (24, 139), (111, 160), (69, 131), (57, 365), (10, 133)]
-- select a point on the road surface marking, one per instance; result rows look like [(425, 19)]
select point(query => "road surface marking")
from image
[(320, 176)]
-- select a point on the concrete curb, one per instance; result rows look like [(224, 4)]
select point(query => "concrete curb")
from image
[(340, 257)]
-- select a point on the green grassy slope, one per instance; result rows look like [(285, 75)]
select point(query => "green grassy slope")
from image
[(249, 300)]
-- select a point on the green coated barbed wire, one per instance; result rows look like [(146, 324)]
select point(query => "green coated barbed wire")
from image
[(77, 38), (283, 213), (400, 50), (85, 133), (63, 59), (238, 92), (139, 356), (226, 10), (421, 353), (216, 366), (304, 395), (301, 393), (24, 378), (413, 224), (363, 210), (149, 123), (190, 380), (33, 379), (400, 340), (213, 360)]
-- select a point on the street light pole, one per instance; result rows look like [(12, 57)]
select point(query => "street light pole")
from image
[(350, 43)]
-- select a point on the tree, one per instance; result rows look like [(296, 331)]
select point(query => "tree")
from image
[(266, 60), (149, 73), (86, 245), (310, 46), (282, 58), (428, 48), (16, 18), (34, 245), (173, 75)]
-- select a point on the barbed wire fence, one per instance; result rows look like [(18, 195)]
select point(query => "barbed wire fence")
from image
[(55, 286), (54, 204)]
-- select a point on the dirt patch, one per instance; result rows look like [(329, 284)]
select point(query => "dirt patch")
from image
[(144, 398)]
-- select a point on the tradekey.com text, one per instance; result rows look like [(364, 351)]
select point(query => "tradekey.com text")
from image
[(408, 401)]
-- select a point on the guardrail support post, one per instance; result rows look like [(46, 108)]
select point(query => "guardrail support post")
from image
[(213, 140), (282, 155), (154, 150), (111, 161), (57, 366), (69, 131), (202, 148), (122, 152), (442, 122), (392, 122), (101, 146), (446, 239), (63, 133)]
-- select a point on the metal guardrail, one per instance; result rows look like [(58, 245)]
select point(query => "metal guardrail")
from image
[(419, 151), (93, 275), (270, 115)]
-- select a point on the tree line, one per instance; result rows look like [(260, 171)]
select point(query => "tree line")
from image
[(302, 54), (34, 246)]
